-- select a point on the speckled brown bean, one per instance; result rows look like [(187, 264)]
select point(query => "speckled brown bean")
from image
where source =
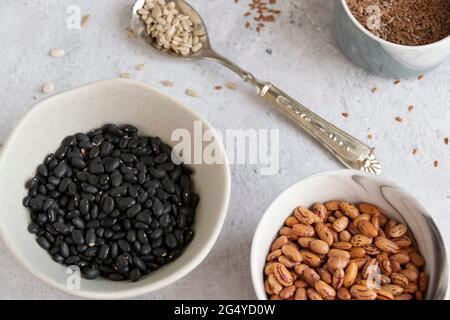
[(321, 212), (304, 215), (303, 230), (343, 294), (332, 205), (349, 210), (300, 294), (279, 242), (287, 292)]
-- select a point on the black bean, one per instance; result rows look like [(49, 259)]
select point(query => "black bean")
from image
[(43, 170), (122, 263), (146, 249), (124, 245), (108, 205), (135, 275), (61, 170), (84, 206), (91, 273), (90, 237), (144, 217), (130, 130), (126, 203), (141, 226), (64, 249), (106, 149), (33, 228), (36, 203), (157, 207), (114, 250), (91, 252), (78, 237), (78, 223), (42, 218), (116, 180), (60, 227), (158, 173), (131, 236), (87, 188), (118, 235), (171, 241), (142, 237), (119, 191), (96, 167), (103, 252), (111, 164), (160, 252), (157, 233), (108, 222), (133, 210), (93, 224), (72, 260), (43, 242), (78, 163), (131, 178)]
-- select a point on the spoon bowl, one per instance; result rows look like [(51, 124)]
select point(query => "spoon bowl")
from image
[(139, 28)]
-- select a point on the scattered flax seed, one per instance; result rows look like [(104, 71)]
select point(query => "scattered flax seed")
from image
[(125, 75), (436, 163), (57, 53), (261, 12), (345, 114), (218, 88), (397, 82), (369, 136), (446, 140), (414, 152), (421, 77), (410, 108), (192, 93), (374, 89), (167, 83), (48, 87), (231, 85), (398, 119), (85, 20), (140, 67)]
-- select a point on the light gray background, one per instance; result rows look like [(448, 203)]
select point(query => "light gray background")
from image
[(305, 62)]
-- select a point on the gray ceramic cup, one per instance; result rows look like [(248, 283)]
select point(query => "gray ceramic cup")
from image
[(381, 57)]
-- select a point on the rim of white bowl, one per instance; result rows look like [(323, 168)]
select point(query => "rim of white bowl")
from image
[(388, 43), (256, 273), (127, 293)]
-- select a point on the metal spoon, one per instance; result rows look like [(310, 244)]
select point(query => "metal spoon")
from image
[(350, 151)]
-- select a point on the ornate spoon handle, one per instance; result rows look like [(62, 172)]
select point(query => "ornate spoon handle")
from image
[(350, 151)]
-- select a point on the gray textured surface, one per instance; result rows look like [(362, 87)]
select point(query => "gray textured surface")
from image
[(305, 62)]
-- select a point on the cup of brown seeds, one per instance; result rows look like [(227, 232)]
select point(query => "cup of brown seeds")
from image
[(348, 235), (394, 39)]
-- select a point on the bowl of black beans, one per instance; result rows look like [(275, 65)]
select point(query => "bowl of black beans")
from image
[(95, 202)]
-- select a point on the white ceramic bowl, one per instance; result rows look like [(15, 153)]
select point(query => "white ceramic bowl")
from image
[(354, 186), (381, 57), (79, 110)]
